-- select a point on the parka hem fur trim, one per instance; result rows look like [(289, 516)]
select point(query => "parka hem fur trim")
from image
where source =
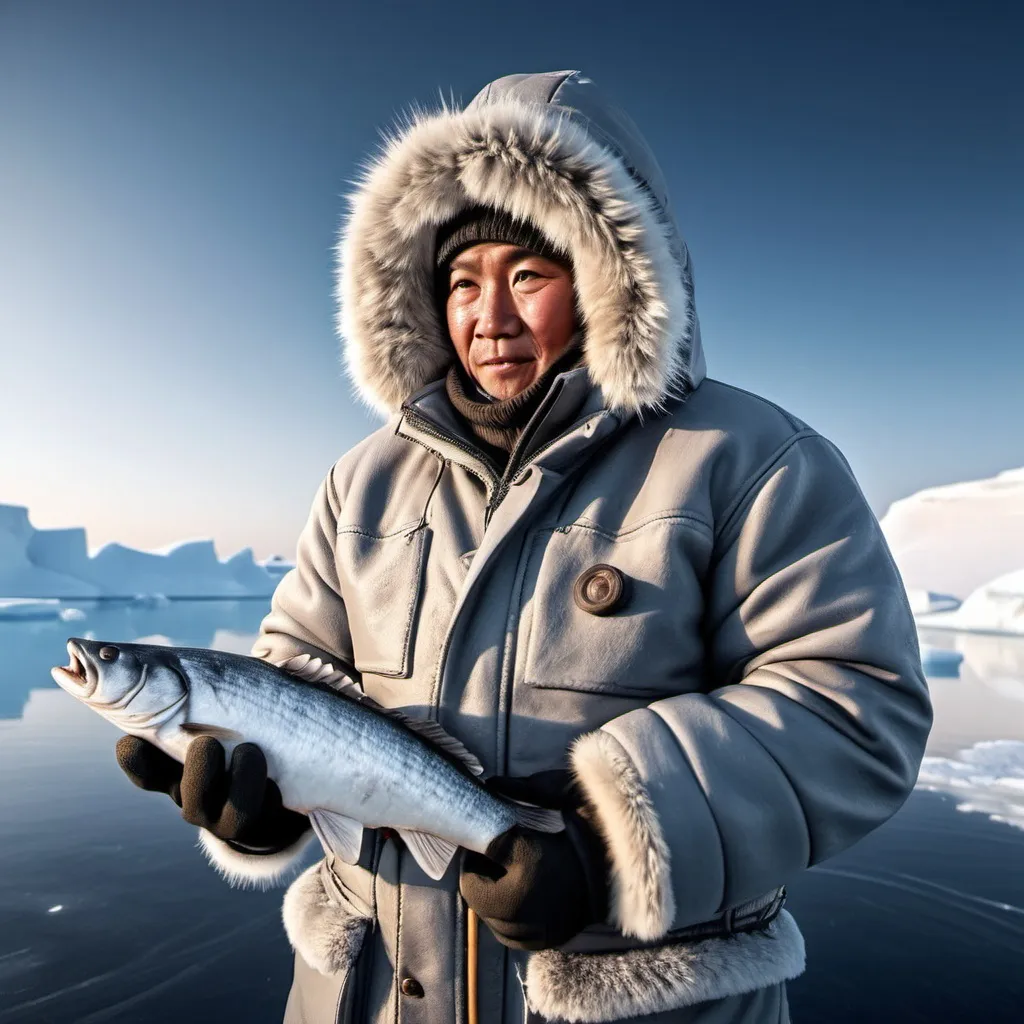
[(538, 163), (325, 933), (260, 870), (641, 898), (590, 988)]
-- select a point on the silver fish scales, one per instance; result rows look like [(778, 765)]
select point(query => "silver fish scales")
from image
[(335, 755)]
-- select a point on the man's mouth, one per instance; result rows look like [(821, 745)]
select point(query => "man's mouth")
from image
[(501, 363)]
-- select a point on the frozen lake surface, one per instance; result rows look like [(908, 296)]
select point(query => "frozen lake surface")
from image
[(109, 913)]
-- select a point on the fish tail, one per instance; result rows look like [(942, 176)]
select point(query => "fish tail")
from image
[(540, 819)]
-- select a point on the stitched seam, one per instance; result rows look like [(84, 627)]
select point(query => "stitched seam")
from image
[(750, 484), (598, 687), (711, 810), (685, 518), (511, 648), (787, 416), (397, 532)]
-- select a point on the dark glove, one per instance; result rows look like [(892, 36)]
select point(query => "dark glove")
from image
[(536, 890), (237, 803)]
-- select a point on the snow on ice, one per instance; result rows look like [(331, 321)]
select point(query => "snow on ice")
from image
[(987, 778)]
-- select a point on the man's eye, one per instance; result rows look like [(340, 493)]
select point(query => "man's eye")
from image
[(457, 284), (524, 275)]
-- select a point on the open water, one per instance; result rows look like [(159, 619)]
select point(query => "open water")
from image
[(109, 913)]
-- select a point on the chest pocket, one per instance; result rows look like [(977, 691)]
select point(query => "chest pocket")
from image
[(585, 636), (381, 580)]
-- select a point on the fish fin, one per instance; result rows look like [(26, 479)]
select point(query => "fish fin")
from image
[(313, 670), (540, 819), (341, 835), (293, 665), (440, 738), (218, 732), (431, 852)]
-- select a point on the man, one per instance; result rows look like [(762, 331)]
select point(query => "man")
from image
[(634, 592)]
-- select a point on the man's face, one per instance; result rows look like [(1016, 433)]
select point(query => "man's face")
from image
[(511, 314)]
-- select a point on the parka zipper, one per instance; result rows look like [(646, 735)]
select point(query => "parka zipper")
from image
[(428, 429), (501, 483)]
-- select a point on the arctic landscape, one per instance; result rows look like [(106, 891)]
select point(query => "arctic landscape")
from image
[(132, 883), (959, 548)]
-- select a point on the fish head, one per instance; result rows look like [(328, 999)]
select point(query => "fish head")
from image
[(132, 685)]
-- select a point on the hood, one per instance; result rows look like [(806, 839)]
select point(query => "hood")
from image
[(549, 148)]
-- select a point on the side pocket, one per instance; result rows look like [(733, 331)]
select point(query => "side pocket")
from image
[(381, 579)]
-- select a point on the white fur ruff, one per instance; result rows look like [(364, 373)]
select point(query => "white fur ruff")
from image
[(642, 902), (596, 987), (535, 163), (327, 935), (250, 869)]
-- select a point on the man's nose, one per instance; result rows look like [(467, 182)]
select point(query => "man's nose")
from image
[(498, 316)]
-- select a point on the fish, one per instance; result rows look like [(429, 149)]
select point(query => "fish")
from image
[(335, 754)]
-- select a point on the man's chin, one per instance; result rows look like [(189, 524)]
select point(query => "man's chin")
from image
[(507, 381)]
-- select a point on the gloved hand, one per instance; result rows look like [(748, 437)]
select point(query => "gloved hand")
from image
[(237, 803), (536, 890)]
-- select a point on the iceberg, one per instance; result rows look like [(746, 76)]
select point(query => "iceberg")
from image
[(955, 538), (55, 564), (20, 574), (995, 607)]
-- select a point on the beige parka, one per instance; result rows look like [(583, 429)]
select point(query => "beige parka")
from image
[(754, 703)]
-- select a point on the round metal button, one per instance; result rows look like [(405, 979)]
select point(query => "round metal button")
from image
[(600, 589), (412, 988)]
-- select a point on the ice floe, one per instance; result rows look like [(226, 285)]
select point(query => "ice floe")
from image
[(987, 778), (995, 607), (29, 609)]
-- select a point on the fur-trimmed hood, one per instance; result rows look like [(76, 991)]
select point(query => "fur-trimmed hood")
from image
[(547, 148)]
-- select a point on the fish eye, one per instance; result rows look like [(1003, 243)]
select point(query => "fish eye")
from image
[(108, 653)]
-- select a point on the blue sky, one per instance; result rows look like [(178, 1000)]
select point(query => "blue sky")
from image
[(172, 180)]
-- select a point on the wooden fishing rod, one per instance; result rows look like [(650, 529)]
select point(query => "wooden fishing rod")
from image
[(472, 949)]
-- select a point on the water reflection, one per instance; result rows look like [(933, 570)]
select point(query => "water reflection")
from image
[(28, 650), (922, 921), (146, 931)]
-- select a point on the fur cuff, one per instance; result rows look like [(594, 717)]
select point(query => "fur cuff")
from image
[(260, 870), (324, 932), (596, 987), (641, 901)]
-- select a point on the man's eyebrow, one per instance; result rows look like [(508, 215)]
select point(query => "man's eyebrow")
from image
[(522, 253), (464, 262)]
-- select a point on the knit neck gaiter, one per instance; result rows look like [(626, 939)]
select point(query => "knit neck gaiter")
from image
[(498, 424)]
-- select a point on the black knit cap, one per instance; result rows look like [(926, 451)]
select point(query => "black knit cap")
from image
[(486, 224)]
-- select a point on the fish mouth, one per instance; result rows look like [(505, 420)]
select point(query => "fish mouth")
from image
[(78, 675)]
